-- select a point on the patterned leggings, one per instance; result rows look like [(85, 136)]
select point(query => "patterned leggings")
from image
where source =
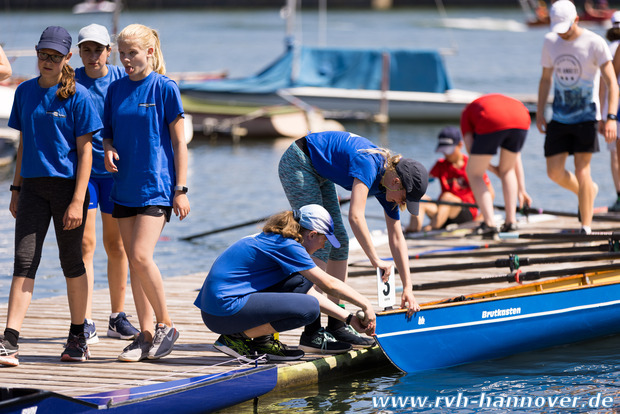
[(302, 186)]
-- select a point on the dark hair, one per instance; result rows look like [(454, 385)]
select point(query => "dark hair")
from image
[(284, 223), (613, 34), (67, 83)]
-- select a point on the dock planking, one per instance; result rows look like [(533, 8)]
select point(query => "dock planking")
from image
[(47, 322)]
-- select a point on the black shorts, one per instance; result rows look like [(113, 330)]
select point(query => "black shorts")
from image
[(463, 217), (571, 138), (510, 139), (121, 211)]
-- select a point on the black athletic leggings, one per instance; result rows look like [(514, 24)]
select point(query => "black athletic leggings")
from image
[(40, 200)]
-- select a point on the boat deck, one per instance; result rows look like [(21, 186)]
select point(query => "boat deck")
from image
[(46, 325)]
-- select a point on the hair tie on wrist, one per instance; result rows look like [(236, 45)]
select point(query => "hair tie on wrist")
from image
[(297, 215)]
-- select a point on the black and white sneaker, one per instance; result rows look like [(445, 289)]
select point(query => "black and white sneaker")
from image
[(76, 349), (486, 231), (274, 349), (121, 328), (322, 342), (349, 335)]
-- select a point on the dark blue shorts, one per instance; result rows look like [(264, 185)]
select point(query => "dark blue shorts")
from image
[(571, 138), (510, 139), (285, 306), (100, 189)]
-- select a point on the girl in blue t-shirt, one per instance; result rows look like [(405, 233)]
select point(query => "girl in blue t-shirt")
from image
[(145, 148), (309, 171), (258, 287), (97, 75), (56, 119)]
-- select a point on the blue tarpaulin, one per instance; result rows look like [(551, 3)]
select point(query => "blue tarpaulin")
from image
[(410, 70)]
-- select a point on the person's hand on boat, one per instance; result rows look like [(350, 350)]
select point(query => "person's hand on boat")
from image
[(408, 301), (367, 325)]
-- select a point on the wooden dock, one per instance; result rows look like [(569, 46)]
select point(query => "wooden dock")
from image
[(47, 323)]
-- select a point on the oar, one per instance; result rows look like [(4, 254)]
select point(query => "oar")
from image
[(525, 210), (514, 262), (239, 225), (515, 247), (572, 237), (438, 254), (515, 277)]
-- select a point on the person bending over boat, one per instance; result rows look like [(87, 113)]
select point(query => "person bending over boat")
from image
[(262, 284), (97, 75), (309, 171), (56, 119), (488, 123), (455, 189)]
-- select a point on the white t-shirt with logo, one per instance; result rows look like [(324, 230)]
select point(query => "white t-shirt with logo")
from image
[(576, 65)]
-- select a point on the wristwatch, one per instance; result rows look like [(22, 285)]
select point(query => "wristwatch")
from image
[(181, 188), (15, 187), (612, 117)]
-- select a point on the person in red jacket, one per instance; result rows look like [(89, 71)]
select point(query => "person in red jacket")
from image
[(488, 123)]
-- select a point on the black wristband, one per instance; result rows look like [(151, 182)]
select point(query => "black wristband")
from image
[(348, 321), (612, 117), (15, 187)]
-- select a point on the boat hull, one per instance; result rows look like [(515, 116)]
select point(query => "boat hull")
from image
[(200, 394), (465, 332)]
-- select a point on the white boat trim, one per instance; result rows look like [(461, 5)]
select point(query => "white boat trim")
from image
[(510, 318)]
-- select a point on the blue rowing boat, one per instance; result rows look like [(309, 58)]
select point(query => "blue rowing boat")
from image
[(201, 394), (502, 322)]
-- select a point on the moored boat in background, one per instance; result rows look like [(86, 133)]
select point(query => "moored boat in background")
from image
[(347, 83)]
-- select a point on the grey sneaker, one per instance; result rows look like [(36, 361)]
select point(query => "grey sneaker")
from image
[(121, 328), (8, 353), (349, 335), (90, 332), (136, 351), (163, 340), (322, 342)]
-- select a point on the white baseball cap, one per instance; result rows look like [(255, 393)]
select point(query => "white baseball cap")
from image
[(315, 217), (615, 19), (94, 33), (562, 14)]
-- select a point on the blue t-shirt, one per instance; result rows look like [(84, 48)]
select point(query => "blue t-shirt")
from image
[(49, 128), (136, 117), (98, 88), (339, 157), (250, 265)]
